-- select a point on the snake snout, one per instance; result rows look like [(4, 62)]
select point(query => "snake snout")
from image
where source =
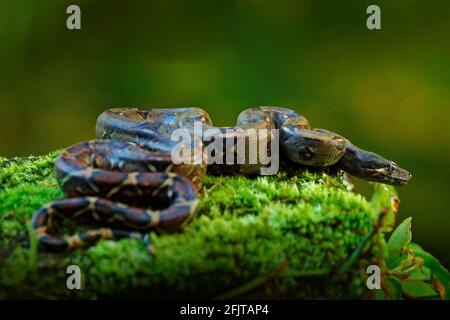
[(398, 175)]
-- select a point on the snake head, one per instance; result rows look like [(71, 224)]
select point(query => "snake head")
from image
[(372, 167), (311, 147)]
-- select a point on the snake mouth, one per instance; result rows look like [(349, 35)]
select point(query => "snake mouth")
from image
[(400, 176), (392, 175)]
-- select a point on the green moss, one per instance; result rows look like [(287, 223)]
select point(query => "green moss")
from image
[(269, 237), (17, 171)]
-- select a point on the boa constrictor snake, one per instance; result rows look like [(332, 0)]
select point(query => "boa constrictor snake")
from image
[(127, 181)]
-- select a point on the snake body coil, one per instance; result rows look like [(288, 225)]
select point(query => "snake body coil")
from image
[(127, 180)]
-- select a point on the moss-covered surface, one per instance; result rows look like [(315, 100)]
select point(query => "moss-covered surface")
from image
[(301, 236)]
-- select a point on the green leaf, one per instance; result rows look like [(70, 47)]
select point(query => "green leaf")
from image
[(415, 247), (395, 288), (420, 275), (418, 289), (436, 268), (394, 260), (401, 236), (385, 201), (397, 243)]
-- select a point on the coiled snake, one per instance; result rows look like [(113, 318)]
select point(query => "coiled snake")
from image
[(126, 180)]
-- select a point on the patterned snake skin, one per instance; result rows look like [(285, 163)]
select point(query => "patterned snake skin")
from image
[(127, 182)]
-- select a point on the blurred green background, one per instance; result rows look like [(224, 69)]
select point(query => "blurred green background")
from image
[(387, 90)]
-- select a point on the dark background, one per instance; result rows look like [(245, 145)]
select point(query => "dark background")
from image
[(386, 90)]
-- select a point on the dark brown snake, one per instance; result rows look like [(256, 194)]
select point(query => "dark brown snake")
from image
[(128, 182)]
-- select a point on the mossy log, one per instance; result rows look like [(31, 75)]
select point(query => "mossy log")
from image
[(269, 237)]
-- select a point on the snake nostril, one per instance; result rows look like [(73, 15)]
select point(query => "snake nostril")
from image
[(339, 143)]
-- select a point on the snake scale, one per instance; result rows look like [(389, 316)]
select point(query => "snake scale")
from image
[(127, 182)]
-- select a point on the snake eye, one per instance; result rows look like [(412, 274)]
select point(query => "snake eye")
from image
[(340, 143)]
